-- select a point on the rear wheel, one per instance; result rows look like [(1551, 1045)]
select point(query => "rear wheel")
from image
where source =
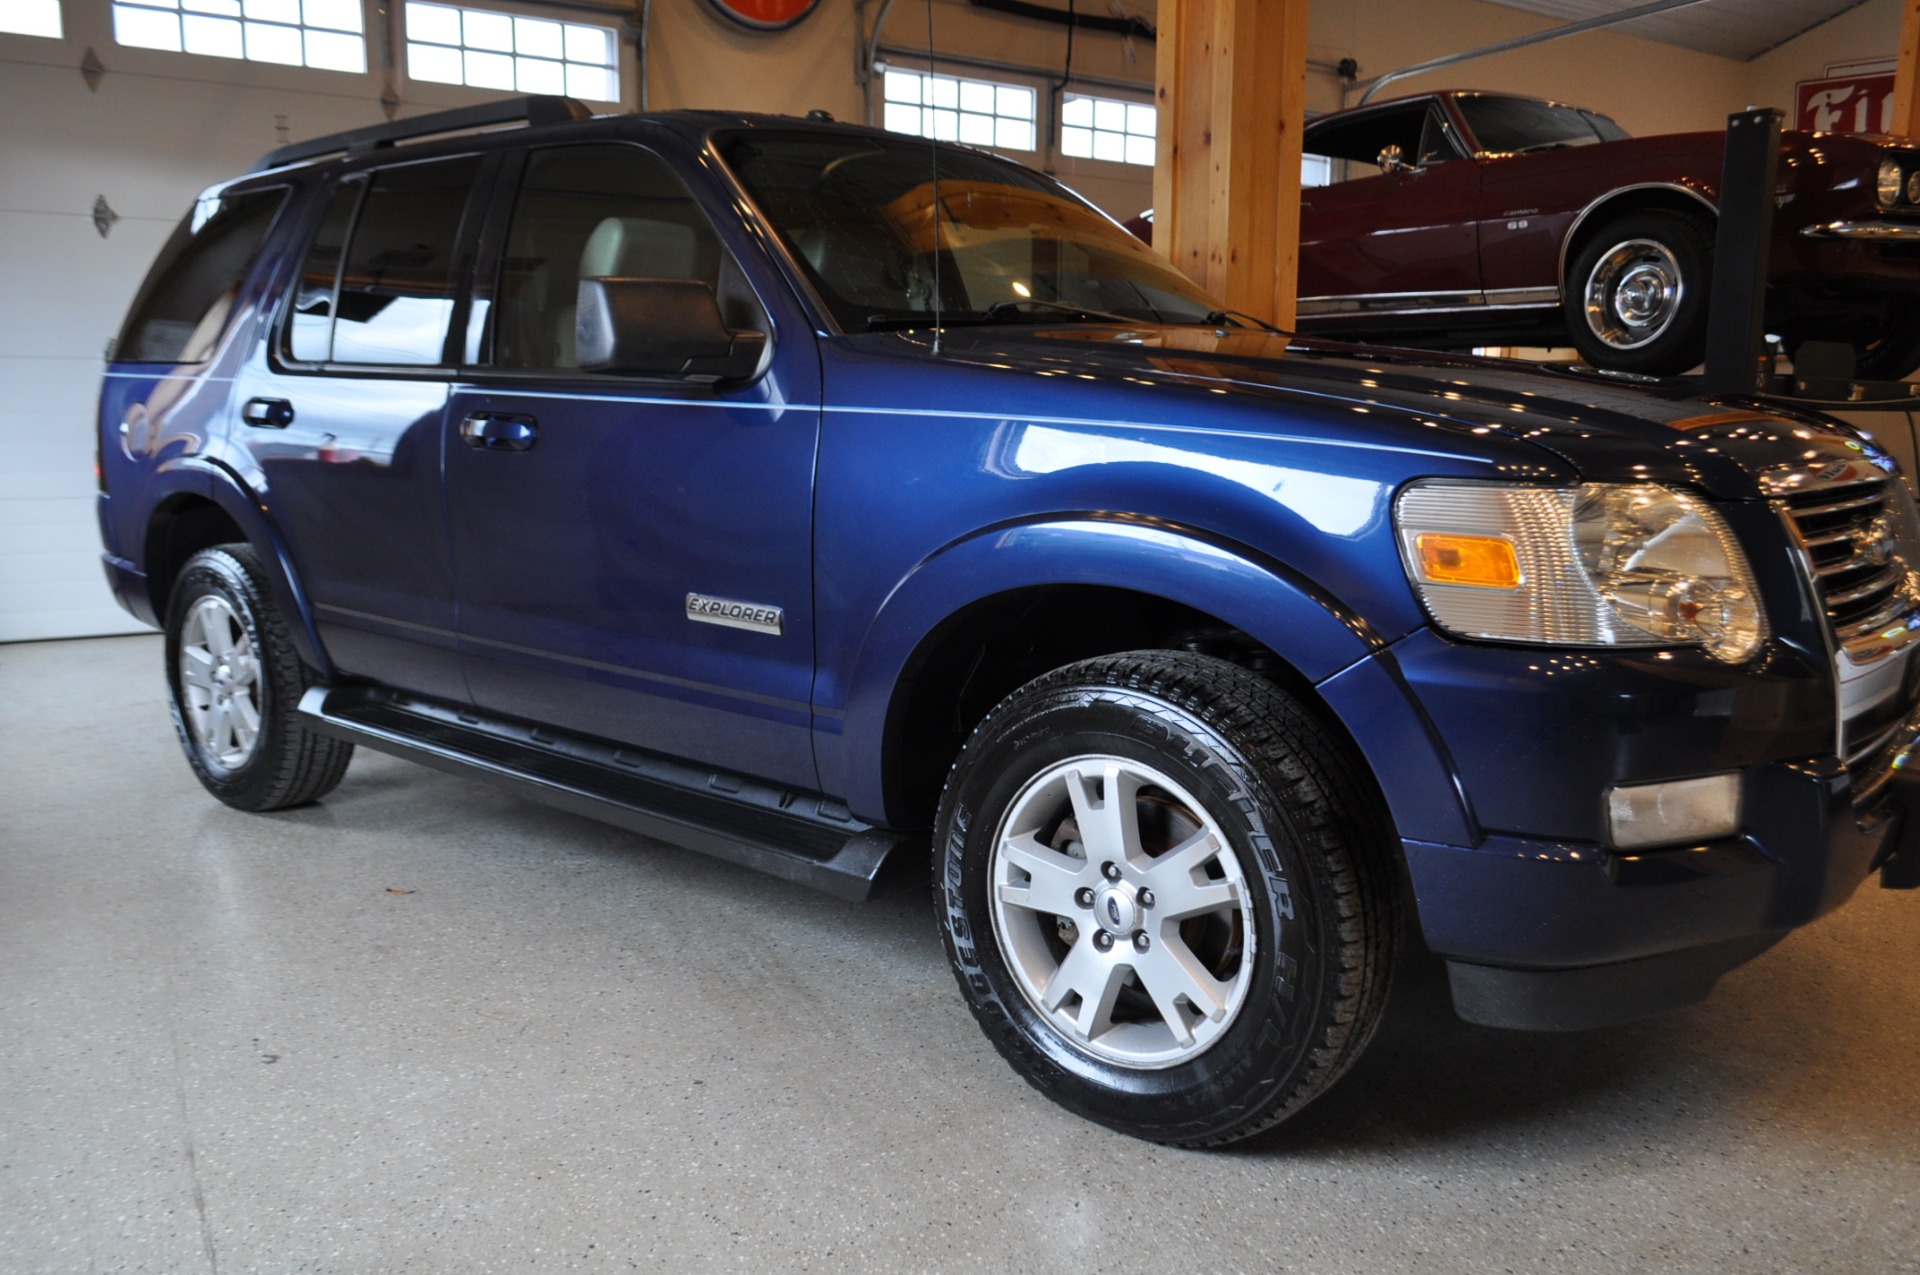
[(1166, 897), (1637, 293), (235, 681)]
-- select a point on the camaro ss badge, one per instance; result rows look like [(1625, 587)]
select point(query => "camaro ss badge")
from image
[(735, 615)]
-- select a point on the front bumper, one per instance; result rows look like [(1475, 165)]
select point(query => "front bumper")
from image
[(1878, 231), (1546, 926), (1546, 937)]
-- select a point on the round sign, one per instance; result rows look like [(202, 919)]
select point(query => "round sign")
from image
[(766, 15)]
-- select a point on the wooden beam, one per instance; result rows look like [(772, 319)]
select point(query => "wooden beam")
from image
[(1906, 76), (1231, 83)]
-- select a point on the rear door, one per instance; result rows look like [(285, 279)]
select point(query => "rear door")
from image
[(341, 410), (633, 556)]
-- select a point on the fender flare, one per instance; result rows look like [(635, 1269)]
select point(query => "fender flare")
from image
[(204, 476), (1293, 617)]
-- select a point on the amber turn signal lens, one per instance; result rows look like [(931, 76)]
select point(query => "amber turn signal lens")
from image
[(1484, 561)]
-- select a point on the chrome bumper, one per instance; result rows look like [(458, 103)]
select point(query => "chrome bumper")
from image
[(1883, 231)]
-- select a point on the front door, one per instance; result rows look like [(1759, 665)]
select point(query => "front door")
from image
[(633, 557), (1372, 240)]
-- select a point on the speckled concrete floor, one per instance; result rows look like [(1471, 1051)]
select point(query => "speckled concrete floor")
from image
[(428, 1027)]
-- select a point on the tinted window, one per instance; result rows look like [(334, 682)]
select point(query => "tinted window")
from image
[(586, 212), (395, 290), (183, 305), (1514, 125)]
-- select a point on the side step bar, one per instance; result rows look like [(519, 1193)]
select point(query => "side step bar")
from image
[(798, 836)]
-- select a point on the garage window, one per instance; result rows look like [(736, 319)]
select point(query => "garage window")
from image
[(31, 17), (1107, 128), (488, 50), (955, 109), (325, 34)]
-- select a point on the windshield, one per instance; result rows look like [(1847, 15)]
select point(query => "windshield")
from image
[(1515, 125), (858, 213)]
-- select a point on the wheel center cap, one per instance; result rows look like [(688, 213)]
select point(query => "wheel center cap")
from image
[(1118, 909)]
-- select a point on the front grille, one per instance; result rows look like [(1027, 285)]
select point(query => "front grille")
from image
[(1849, 530), (1855, 523)]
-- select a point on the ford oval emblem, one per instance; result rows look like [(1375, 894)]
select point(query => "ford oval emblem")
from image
[(1113, 910), (766, 15)]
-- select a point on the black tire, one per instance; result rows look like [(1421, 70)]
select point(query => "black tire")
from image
[(1637, 293), (221, 598), (1314, 894)]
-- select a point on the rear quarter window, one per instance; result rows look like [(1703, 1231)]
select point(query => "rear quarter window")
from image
[(184, 304)]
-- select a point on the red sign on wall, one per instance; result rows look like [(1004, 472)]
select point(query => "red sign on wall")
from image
[(1845, 104), (766, 15)]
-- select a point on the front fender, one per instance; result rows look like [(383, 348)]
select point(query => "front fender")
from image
[(1293, 617)]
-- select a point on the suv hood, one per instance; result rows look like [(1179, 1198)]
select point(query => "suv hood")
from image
[(1606, 427)]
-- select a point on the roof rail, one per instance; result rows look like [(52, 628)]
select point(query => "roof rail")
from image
[(534, 111)]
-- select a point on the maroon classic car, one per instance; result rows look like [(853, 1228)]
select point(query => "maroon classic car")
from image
[(1463, 219)]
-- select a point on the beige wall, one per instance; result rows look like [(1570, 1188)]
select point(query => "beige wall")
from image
[(1859, 35), (1647, 87)]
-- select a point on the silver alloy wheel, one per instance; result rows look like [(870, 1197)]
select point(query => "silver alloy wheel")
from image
[(1633, 293), (1122, 912), (220, 682)]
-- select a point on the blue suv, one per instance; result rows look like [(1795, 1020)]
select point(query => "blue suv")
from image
[(815, 497)]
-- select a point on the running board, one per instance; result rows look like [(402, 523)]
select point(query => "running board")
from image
[(801, 837)]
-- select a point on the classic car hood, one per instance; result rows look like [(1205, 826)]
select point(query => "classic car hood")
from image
[(1606, 428)]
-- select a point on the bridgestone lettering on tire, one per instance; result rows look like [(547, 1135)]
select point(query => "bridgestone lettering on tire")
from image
[(1167, 895), (234, 681)]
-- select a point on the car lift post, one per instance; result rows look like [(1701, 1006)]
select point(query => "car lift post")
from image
[(1738, 361)]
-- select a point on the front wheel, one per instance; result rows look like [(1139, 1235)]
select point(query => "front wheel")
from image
[(1166, 896), (1637, 293), (235, 682)]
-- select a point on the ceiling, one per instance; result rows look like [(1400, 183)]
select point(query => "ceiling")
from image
[(1738, 29)]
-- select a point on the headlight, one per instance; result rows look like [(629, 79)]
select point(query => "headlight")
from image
[(1602, 564), (1889, 180)]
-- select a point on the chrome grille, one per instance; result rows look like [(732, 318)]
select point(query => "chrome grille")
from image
[(1850, 533), (1856, 525)]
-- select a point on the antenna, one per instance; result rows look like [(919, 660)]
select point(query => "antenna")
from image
[(933, 137)]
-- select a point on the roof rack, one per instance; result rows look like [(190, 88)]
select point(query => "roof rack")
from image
[(533, 111)]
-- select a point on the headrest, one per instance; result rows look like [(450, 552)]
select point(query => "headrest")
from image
[(639, 248)]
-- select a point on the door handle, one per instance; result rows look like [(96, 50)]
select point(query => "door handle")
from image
[(268, 413), (499, 433)]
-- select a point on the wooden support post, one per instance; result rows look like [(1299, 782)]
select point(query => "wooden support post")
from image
[(1231, 82), (1906, 78)]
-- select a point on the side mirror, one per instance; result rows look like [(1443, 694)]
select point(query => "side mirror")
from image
[(1393, 160), (660, 327)]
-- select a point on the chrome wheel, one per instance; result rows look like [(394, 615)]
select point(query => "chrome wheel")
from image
[(1633, 293), (220, 682), (1122, 911)]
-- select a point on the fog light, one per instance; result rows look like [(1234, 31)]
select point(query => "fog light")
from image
[(1673, 813)]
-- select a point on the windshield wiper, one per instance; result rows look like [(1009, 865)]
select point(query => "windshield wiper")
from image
[(1235, 317), (1000, 309)]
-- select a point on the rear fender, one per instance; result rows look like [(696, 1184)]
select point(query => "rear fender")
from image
[(202, 476)]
